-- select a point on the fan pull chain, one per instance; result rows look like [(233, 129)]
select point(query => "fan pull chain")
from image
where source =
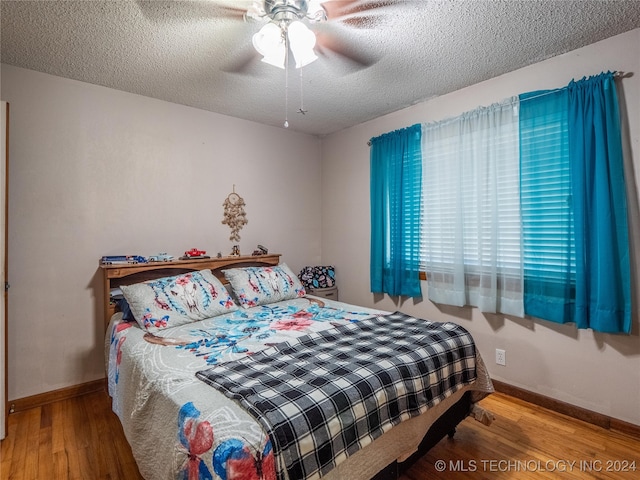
[(286, 79), (301, 110)]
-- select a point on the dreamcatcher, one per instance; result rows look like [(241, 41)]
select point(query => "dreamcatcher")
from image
[(234, 214)]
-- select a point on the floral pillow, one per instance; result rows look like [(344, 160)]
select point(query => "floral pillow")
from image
[(254, 286), (171, 301)]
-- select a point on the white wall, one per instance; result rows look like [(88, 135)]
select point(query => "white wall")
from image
[(96, 171), (594, 371)]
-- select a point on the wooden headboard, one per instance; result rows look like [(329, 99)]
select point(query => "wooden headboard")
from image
[(116, 275)]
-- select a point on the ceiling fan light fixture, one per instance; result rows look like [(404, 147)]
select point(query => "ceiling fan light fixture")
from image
[(301, 41), (269, 43), (285, 30)]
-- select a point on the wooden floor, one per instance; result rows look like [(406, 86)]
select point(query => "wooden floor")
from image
[(82, 439), (529, 442)]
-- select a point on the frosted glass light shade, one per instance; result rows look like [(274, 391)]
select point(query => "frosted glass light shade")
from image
[(269, 43), (301, 41)]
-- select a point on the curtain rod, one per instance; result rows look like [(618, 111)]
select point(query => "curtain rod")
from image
[(616, 74)]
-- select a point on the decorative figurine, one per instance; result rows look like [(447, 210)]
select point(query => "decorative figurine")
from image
[(122, 259), (194, 253), (161, 257), (261, 250), (235, 251)]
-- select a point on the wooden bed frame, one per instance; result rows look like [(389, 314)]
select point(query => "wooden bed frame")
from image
[(117, 275)]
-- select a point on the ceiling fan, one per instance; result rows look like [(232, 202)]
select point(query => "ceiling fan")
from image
[(286, 28)]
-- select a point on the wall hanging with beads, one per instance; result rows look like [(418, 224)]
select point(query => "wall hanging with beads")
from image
[(234, 214)]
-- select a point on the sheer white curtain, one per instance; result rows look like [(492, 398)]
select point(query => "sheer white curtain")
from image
[(472, 228)]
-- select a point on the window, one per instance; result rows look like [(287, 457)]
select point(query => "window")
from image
[(524, 208), (471, 230)]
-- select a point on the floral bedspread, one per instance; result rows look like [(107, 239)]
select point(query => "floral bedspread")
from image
[(248, 331), (179, 427)]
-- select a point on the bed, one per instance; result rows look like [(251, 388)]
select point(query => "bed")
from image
[(191, 397)]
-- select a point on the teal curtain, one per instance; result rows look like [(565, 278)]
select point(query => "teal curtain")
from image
[(603, 285), (573, 197), (548, 244), (396, 203)]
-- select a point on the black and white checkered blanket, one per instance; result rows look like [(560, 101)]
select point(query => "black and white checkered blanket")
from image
[(332, 393)]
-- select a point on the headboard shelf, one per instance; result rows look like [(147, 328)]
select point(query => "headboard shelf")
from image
[(127, 274)]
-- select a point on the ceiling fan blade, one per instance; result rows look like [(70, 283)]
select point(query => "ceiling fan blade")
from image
[(188, 10), (363, 21), (339, 8), (348, 50), (242, 62)]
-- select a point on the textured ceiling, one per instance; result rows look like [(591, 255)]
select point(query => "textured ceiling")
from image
[(398, 54)]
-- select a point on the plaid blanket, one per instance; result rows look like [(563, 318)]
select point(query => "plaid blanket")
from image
[(332, 393)]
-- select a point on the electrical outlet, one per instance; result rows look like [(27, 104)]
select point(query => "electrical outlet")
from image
[(501, 357)]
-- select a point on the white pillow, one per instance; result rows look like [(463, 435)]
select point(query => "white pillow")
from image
[(260, 285), (172, 301)]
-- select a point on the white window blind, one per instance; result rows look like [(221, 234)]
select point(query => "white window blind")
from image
[(546, 197)]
